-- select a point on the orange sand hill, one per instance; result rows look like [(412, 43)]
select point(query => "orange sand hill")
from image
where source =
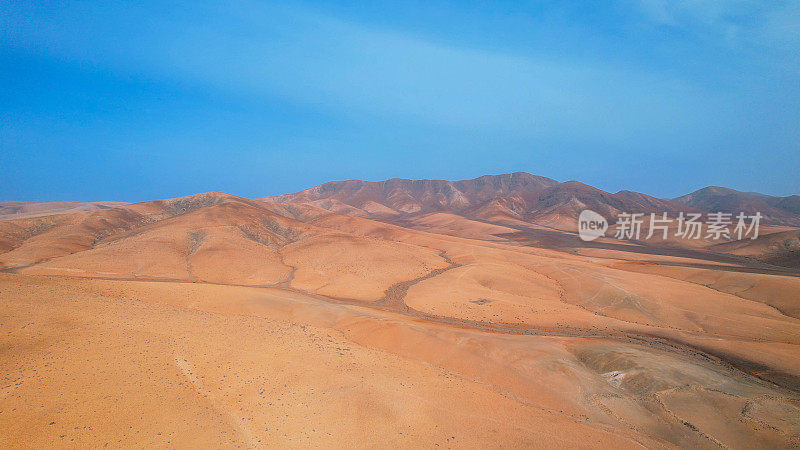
[(20, 210), (214, 320)]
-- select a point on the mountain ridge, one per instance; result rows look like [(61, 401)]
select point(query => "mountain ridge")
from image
[(508, 197), (527, 197)]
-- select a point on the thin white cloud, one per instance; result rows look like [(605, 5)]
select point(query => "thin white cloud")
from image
[(773, 25), (256, 51), (316, 60)]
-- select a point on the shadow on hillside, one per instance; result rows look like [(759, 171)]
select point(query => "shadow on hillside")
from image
[(569, 242)]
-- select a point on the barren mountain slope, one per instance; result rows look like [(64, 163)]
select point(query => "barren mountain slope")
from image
[(556, 341), (399, 196), (781, 210), (21, 210)]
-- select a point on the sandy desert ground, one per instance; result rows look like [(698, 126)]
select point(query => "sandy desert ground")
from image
[(217, 321)]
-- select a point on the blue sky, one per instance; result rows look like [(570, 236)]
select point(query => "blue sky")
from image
[(136, 101)]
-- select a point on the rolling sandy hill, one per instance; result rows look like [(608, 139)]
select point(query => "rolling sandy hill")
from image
[(781, 248), (400, 313), (213, 237)]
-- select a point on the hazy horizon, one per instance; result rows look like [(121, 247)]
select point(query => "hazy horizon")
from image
[(613, 191)]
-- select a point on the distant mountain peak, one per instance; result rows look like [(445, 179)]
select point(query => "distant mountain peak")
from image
[(524, 196), (716, 198)]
